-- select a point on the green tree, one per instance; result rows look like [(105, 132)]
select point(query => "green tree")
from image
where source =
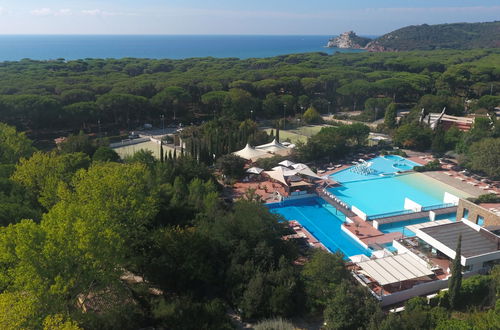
[(44, 173), (484, 156), (321, 275), (78, 143), (455, 281), (413, 136), (105, 154), (232, 166), (350, 307), (390, 116), (13, 145), (312, 116)]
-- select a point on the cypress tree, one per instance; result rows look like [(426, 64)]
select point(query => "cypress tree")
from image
[(162, 155), (175, 152), (390, 116), (278, 134), (455, 282)]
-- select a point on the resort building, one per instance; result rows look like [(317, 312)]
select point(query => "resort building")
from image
[(485, 215), (398, 229)]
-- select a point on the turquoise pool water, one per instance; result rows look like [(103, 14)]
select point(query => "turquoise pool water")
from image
[(322, 221), (400, 226), (377, 194), (380, 166)]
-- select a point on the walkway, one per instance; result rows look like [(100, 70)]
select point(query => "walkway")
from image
[(335, 204)]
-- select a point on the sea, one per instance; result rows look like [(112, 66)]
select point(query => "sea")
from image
[(71, 47)]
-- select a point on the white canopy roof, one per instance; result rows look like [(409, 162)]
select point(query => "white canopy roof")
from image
[(381, 253), (394, 269), (277, 175), (272, 146), (255, 170), (286, 163), (251, 153), (299, 166), (308, 172), (359, 258)]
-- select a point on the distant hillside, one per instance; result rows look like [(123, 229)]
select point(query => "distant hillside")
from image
[(441, 36)]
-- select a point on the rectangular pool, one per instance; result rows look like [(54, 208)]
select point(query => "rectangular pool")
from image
[(322, 221)]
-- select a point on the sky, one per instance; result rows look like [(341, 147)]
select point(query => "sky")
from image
[(295, 17)]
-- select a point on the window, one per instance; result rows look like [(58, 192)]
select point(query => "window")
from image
[(480, 220), (466, 214)]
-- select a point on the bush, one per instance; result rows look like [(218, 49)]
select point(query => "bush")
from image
[(431, 166), (486, 198), (476, 291), (312, 116), (274, 324)]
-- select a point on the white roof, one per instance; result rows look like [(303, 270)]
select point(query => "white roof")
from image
[(255, 170), (413, 228), (359, 258), (286, 163), (299, 166), (308, 172), (251, 153), (394, 269), (277, 175), (272, 146), (381, 254)]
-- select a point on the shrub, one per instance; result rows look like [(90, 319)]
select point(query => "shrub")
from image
[(431, 166), (274, 324)]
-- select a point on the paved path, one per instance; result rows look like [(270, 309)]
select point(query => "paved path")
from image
[(460, 185)]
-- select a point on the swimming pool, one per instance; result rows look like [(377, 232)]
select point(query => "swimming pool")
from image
[(323, 221), (400, 226), (380, 166), (378, 194)]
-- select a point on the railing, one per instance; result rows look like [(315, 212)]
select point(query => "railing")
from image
[(389, 214), (439, 206)]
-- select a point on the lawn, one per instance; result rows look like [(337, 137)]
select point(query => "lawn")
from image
[(298, 134), (151, 146)]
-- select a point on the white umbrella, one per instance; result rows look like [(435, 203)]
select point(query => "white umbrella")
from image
[(286, 163), (359, 258), (300, 166), (255, 170)]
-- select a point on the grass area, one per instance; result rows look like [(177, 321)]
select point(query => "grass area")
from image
[(151, 146), (298, 134)]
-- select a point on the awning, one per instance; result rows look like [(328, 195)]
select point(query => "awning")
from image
[(359, 258), (395, 269), (272, 146), (251, 153), (300, 184), (255, 170), (308, 172), (286, 163), (277, 175)]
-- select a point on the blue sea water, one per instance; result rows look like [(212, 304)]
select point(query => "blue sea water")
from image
[(70, 47)]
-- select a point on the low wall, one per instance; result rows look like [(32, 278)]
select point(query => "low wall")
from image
[(353, 236), (411, 205), (358, 212), (130, 142), (417, 290)]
